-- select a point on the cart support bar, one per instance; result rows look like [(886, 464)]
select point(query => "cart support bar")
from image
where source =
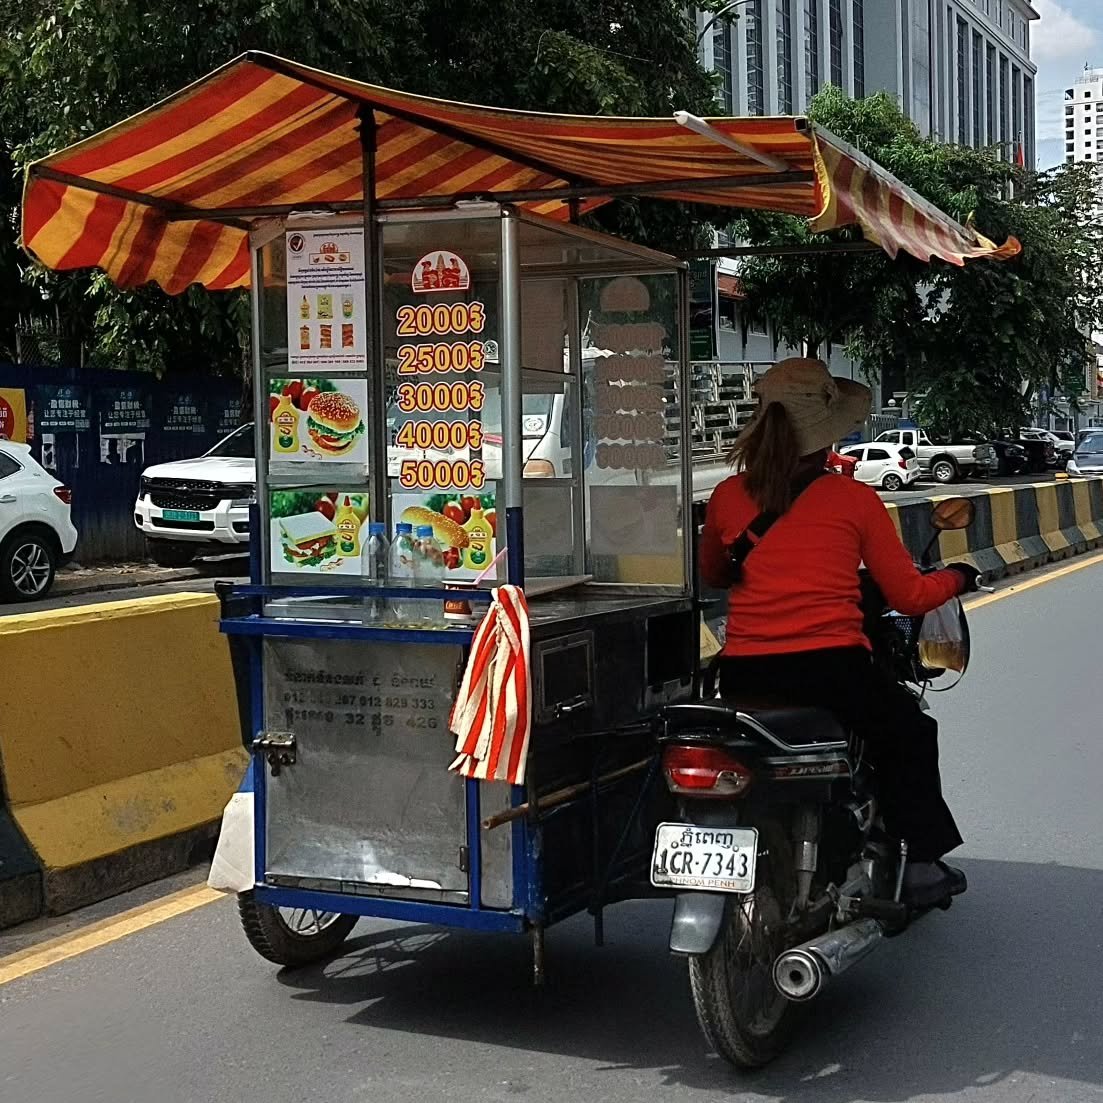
[(561, 796)]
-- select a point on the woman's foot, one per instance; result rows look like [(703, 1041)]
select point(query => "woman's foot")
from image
[(929, 883)]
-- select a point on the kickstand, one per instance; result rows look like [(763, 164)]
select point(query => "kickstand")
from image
[(900, 871)]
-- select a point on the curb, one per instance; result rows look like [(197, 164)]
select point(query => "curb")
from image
[(62, 588)]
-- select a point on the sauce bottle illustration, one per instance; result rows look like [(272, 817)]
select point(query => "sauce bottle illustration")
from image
[(304, 309), (477, 554), (285, 422), (347, 523)]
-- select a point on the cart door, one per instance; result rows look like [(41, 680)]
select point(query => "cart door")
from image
[(369, 804)]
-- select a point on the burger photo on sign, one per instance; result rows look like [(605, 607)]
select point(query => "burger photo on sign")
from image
[(334, 423)]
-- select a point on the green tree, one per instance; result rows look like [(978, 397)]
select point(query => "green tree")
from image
[(973, 343), (70, 68)]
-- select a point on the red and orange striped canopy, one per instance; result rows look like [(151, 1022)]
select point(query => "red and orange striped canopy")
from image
[(170, 194)]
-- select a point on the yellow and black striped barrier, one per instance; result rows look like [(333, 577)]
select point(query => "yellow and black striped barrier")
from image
[(1016, 527)]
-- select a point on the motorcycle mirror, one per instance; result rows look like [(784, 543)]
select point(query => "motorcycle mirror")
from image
[(953, 513)]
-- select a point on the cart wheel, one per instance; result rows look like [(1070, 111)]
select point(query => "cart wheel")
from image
[(292, 936), (739, 1008)]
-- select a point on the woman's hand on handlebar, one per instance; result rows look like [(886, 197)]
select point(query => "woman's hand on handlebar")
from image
[(971, 578)]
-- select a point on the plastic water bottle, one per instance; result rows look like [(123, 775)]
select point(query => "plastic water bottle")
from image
[(401, 573), (374, 565), (429, 573)]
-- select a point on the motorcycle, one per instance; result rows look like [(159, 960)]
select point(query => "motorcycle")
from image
[(784, 879)]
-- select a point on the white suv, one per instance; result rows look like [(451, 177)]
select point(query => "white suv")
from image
[(199, 506), (36, 530), (889, 466)]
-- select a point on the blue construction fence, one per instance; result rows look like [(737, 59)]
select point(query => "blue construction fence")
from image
[(98, 430)]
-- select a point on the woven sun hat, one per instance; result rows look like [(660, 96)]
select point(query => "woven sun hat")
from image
[(823, 408)]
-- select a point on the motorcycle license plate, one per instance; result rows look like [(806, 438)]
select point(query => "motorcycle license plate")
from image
[(715, 859)]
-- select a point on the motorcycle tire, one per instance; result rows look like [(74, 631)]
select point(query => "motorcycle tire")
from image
[(739, 1008), (276, 935)]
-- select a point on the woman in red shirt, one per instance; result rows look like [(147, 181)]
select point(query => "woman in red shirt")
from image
[(794, 617)]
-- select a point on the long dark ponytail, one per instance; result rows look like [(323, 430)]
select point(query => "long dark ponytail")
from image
[(768, 451)]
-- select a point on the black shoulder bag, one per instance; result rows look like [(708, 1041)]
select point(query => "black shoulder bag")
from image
[(752, 535)]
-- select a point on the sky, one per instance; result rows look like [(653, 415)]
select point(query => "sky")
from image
[(1067, 37)]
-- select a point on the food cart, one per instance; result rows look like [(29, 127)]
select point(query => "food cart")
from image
[(420, 285)]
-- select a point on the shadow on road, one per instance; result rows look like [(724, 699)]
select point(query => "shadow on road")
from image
[(1007, 983)]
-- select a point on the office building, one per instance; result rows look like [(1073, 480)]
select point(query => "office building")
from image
[(960, 69), (1084, 118)]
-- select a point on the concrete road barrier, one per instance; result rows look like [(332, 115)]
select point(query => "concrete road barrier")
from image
[(1016, 528), (119, 746)]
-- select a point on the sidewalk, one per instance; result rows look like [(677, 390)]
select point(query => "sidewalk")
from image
[(124, 576)]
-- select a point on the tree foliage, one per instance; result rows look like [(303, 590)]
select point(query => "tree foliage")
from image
[(974, 343), (68, 68)]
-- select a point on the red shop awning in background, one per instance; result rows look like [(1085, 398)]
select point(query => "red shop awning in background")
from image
[(170, 194)]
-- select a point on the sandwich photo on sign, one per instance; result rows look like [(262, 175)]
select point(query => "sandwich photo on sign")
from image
[(317, 532), (318, 420)]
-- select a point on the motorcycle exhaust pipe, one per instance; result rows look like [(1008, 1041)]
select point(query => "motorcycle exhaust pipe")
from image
[(801, 973)]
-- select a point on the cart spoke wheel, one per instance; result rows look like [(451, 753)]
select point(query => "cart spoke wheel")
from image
[(308, 921)]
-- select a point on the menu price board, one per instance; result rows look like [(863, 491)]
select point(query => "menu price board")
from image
[(440, 395), (326, 309), (64, 409)]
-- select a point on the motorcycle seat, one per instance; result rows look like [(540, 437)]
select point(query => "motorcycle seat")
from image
[(787, 728)]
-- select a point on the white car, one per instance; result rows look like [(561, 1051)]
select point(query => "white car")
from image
[(199, 506), (888, 466), (36, 528)]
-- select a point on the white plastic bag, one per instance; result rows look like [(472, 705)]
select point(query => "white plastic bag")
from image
[(942, 643), (232, 868)]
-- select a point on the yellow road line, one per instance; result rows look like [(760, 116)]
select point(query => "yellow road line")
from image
[(95, 935), (1030, 583)]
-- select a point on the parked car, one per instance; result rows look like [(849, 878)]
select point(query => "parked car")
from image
[(1088, 457), (1062, 449), (199, 506), (941, 458), (36, 528), (888, 466), (1038, 446), (1010, 458)]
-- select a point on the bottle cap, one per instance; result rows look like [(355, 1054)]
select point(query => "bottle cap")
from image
[(377, 528), (404, 528), (424, 531)]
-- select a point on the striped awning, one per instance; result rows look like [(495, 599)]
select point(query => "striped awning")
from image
[(170, 194)]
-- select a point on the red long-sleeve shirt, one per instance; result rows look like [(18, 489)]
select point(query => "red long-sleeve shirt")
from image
[(799, 590)]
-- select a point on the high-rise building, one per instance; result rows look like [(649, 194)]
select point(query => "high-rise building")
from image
[(960, 69), (1084, 118)]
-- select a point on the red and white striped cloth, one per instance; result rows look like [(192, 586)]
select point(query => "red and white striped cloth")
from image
[(492, 716)]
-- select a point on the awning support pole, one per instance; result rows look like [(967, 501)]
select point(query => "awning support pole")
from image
[(378, 499), (509, 351)]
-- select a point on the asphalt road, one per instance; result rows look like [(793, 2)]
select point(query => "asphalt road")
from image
[(999, 1000)]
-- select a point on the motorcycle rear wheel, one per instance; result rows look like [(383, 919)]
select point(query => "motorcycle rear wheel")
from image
[(739, 1008)]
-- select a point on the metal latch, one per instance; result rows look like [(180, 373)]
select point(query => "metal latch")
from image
[(278, 748)]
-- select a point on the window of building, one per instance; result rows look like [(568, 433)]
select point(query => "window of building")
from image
[(1005, 108), (1017, 107), (1028, 107), (785, 56), (756, 87), (835, 32), (812, 46), (962, 53), (859, 43), (722, 62), (990, 93), (978, 59)]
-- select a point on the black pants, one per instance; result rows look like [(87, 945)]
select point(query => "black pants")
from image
[(901, 740)]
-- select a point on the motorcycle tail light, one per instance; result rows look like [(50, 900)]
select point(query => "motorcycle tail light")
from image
[(704, 772)]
